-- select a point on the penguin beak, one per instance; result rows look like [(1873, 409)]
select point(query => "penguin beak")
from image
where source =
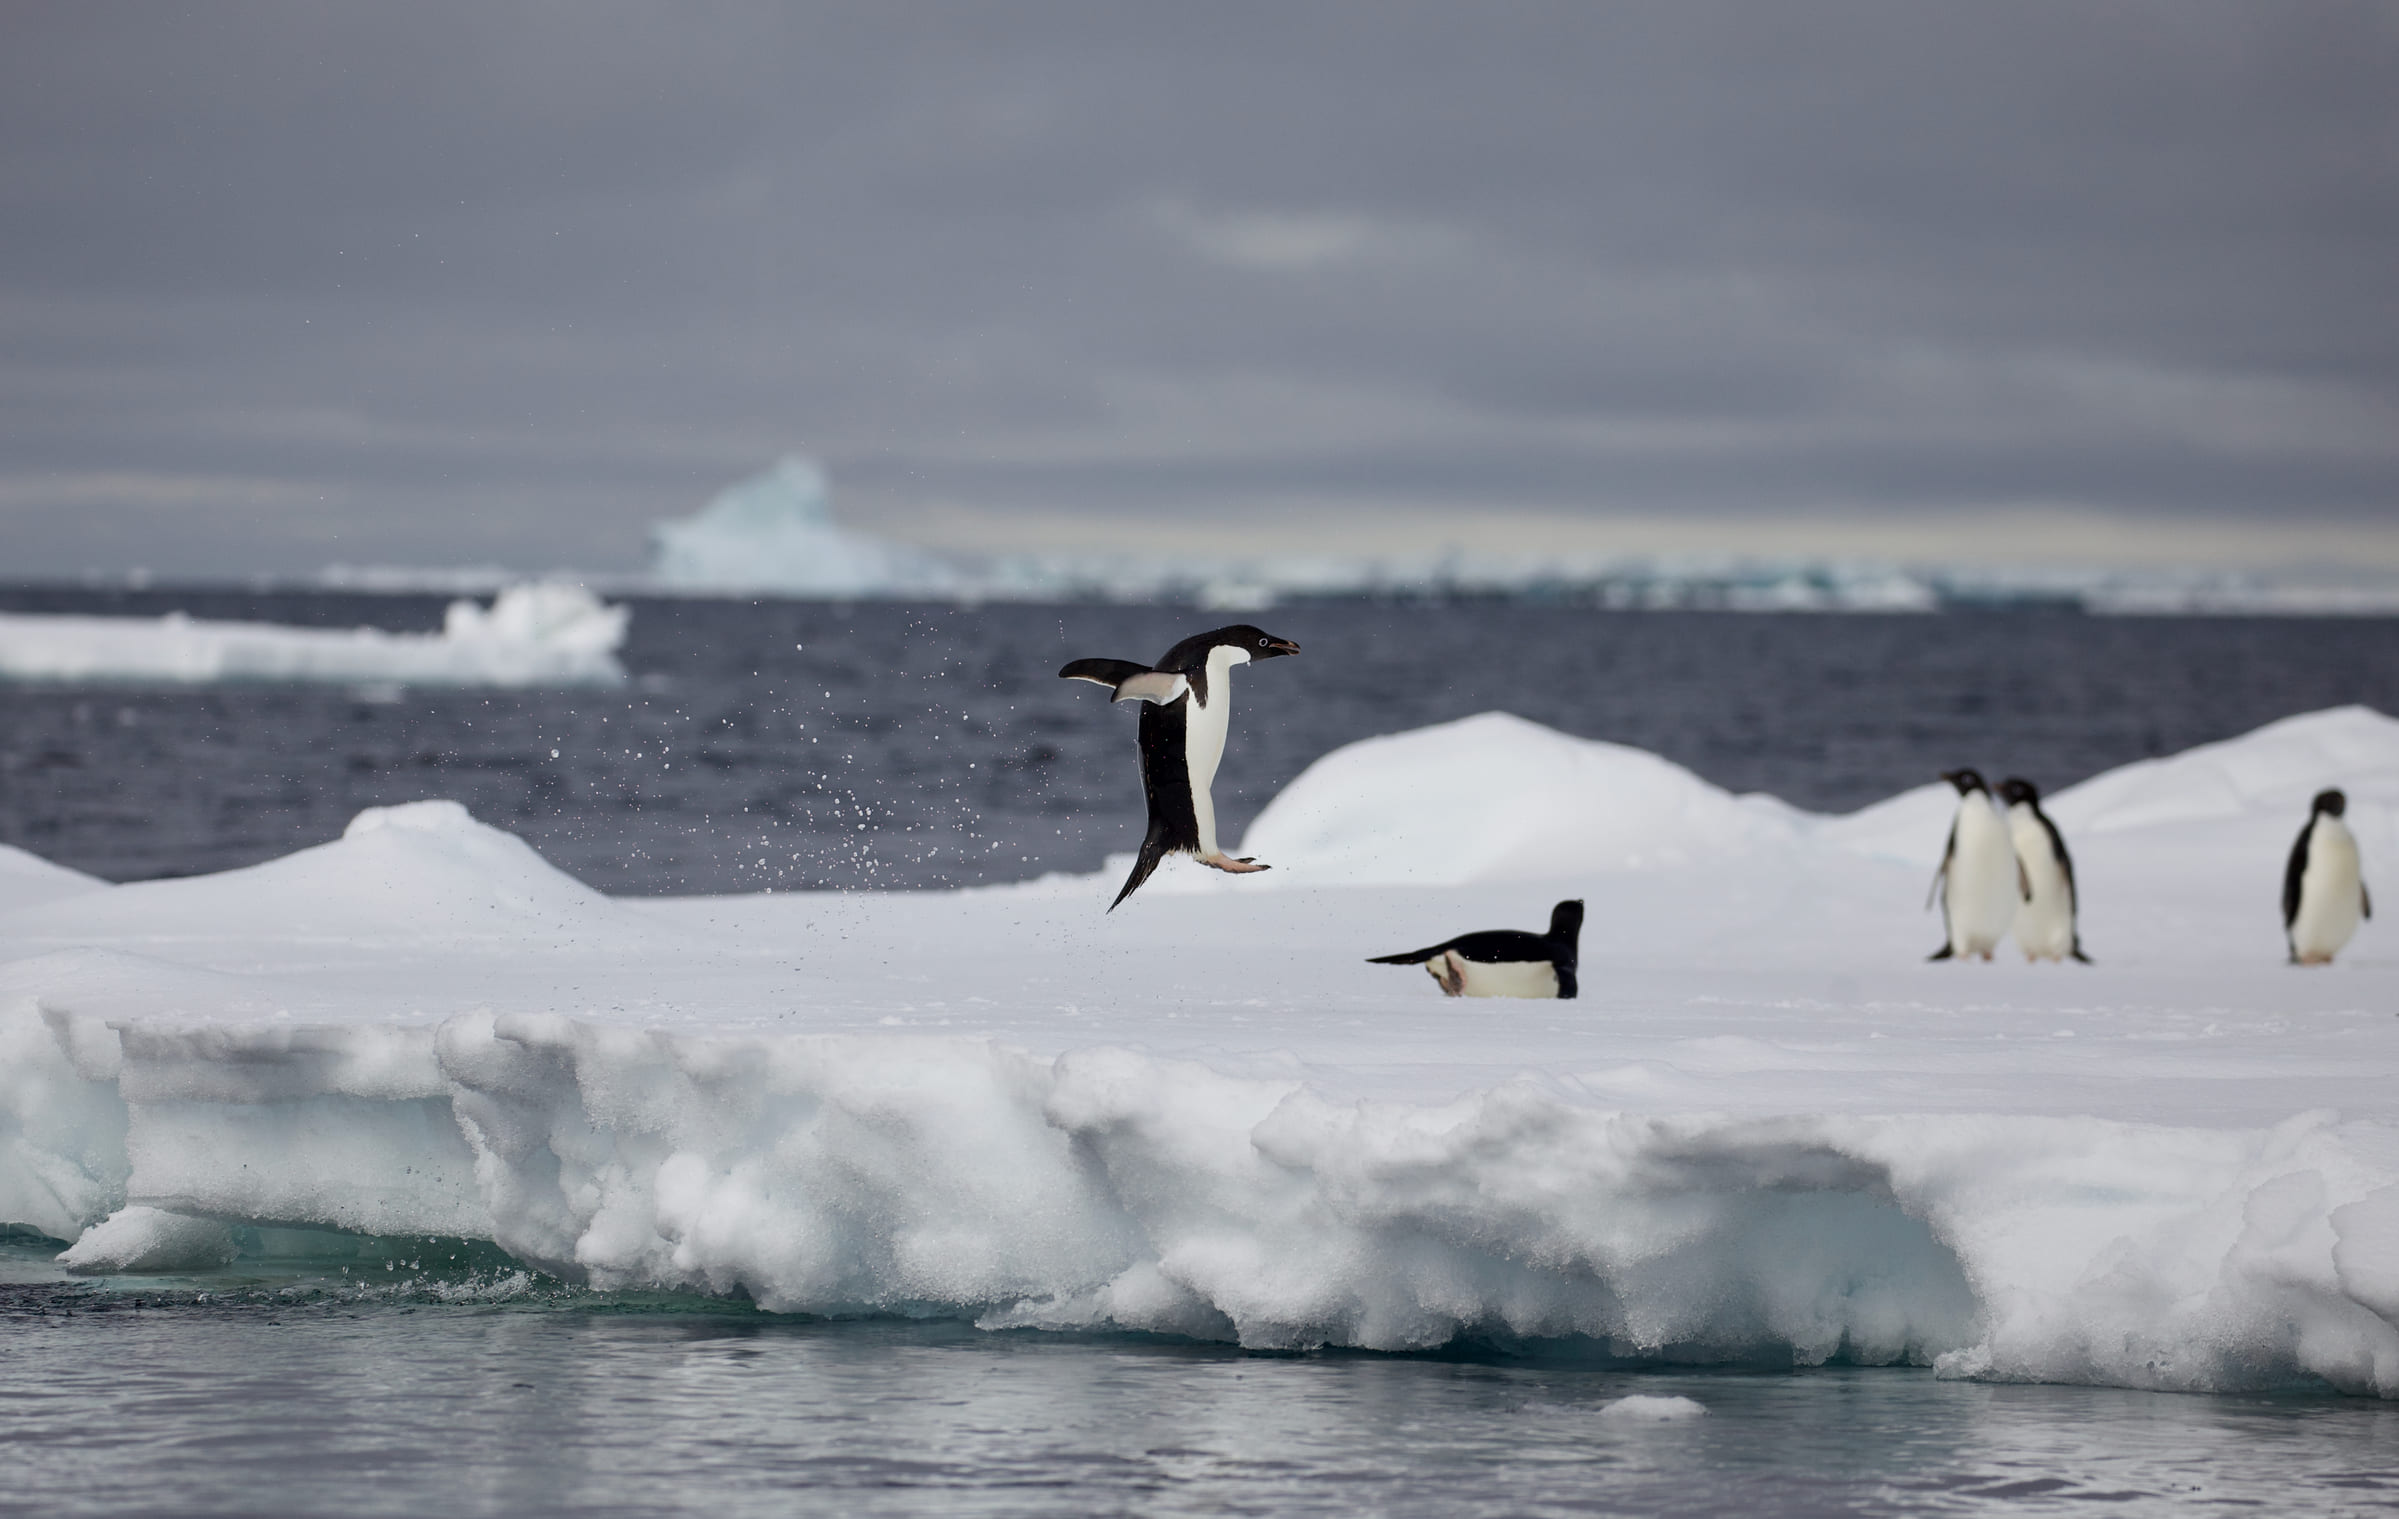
[(1282, 646)]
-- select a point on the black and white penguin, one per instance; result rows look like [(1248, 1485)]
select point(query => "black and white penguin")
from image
[(2323, 889), (2045, 927), (1504, 962), (1188, 705), (1979, 883)]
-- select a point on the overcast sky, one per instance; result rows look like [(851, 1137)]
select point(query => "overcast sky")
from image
[(437, 284)]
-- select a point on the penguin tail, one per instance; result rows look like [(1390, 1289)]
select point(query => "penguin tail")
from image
[(1943, 953), (1412, 957), (1155, 847)]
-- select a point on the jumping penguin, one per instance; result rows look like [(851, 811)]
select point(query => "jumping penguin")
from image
[(1980, 882), (1504, 962), (1188, 697), (2045, 926), (2323, 893)]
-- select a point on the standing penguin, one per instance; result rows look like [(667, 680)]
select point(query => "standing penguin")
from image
[(2323, 892), (1504, 962), (1979, 882), (2045, 926), (1188, 705)]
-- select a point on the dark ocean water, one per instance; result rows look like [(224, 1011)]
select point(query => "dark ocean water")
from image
[(802, 744), (286, 1394)]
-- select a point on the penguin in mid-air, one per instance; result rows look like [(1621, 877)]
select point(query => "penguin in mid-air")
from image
[(1504, 962), (1980, 883), (2045, 927), (2323, 891), (1188, 704)]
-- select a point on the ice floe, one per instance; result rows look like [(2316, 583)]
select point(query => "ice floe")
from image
[(540, 634), (1767, 1129)]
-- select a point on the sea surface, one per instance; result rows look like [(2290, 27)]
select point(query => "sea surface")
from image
[(812, 745), (796, 745), (293, 1390)]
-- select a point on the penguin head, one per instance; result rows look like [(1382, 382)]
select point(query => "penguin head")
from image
[(1257, 643), (2017, 789), (1968, 782), (1566, 919), (2334, 802)]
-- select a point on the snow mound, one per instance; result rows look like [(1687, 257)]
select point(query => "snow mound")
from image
[(28, 879), (149, 1240), (419, 872), (1495, 797), (2273, 771), (1648, 1408), (776, 532), (2244, 798), (532, 635)]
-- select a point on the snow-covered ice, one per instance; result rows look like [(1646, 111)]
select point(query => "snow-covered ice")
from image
[(537, 634), (1768, 1128)]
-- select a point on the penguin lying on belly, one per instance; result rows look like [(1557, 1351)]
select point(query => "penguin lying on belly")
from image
[(1187, 706), (1504, 962)]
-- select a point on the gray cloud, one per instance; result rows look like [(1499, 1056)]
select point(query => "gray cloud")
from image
[(440, 283)]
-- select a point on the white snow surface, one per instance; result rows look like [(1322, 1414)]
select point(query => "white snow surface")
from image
[(1767, 1129), (536, 634)]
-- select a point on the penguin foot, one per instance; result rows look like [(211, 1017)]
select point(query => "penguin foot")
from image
[(1447, 974), (1241, 867)]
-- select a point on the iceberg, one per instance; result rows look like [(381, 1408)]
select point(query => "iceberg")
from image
[(541, 634), (1767, 1131), (775, 532)]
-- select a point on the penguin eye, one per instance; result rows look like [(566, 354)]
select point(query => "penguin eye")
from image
[(1261, 643)]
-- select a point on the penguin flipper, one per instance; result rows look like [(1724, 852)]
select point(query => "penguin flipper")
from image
[(2080, 957), (2365, 899), (2292, 875), (1153, 685), (1103, 672), (1941, 872), (1943, 953), (1129, 681)]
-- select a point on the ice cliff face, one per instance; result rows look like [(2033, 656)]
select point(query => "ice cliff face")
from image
[(1767, 1130)]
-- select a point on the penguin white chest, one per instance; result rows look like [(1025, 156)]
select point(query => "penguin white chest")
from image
[(2045, 920), (1461, 977), (1204, 727), (1980, 896), (2331, 893)]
